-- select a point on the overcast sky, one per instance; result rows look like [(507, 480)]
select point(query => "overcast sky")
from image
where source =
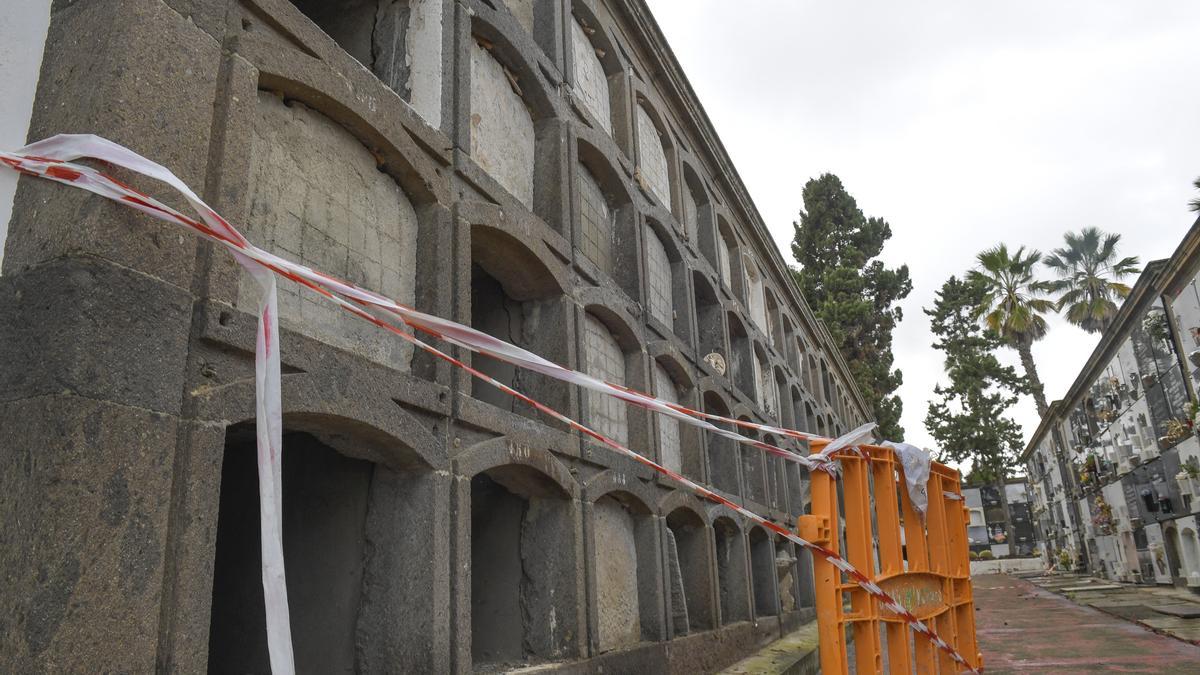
[(962, 124)]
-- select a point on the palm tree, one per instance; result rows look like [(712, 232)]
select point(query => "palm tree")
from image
[(1195, 203), (1013, 306), (1089, 278)]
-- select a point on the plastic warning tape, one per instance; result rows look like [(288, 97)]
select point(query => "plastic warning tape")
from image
[(51, 159)]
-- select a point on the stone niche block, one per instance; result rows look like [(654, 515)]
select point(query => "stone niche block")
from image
[(616, 575), (316, 197), (503, 138)]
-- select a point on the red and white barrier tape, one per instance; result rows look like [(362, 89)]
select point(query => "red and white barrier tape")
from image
[(50, 159)]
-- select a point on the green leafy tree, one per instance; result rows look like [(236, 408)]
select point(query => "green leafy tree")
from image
[(1012, 306), (968, 418), (853, 293), (1090, 274)]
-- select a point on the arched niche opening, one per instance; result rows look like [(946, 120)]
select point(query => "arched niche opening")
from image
[(654, 154), (606, 220), (611, 352), (776, 474), (678, 444), (814, 377), (799, 420), (788, 346), (754, 292), (360, 590), (523, 604), (400, 41), (624, 539), (762, 573), (811, 418), (722, 452), (516, 298), (710, 325), (783, 399), (726, 245), (1189, 552), (596, 69), (514, 134), (662, 266), (732, 576), (765, 392), (773, 327), (826, 394), (753, 467), (341, 215), (695, 215), (787, 575), (741, 361), (689, 589)]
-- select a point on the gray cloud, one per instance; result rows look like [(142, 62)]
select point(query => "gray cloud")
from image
[(963, 124)]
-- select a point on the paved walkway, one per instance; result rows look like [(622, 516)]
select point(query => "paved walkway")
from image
[(1023, 628)]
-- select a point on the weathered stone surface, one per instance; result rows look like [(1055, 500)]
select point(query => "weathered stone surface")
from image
[(317, 198), (87, 327), (404, 621), (502, 134), (591, 85), (88, 86), (678, 599), (616, 575), (84, 498), (652, 158)]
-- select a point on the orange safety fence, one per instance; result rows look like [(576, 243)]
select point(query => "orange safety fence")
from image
[(871, 522)]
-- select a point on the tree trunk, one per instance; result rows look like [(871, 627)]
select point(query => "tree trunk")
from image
[(1025, 349), (1009, 530)]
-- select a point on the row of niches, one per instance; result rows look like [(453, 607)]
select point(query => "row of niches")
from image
[(315, 196), (613, 216), (546, 569), (1139, 405)]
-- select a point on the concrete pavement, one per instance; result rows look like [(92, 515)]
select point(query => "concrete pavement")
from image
[(1025, 628)]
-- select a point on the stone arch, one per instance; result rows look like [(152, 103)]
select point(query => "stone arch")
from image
[(655, 153), (516, 295), (1189, 552), (754, 290), (400, 43), (514, 126), (723, 463), (773, 327), (662, 262), (732, 576), (741, 356), (313, 161), (346, 484), (788, 575), (762, 572), (710, 323), (726, 264), (753, 466), (605, 359), (596, 69), (524, 542), (694, 215), (626, 556), (689, 583), (606, 220), (1174, 559), (668, 363)]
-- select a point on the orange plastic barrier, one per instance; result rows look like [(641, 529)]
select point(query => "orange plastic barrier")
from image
[(925, 566)]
